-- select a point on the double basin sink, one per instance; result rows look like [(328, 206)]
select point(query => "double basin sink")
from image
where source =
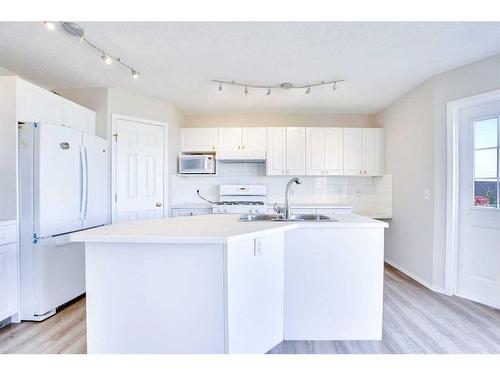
[(277, 217)]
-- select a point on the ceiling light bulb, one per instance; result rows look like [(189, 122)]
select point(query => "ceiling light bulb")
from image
[(49, 25), (246, 90), (268, 92), (308, 91), (107, 60), (135, 75), (220, 86)]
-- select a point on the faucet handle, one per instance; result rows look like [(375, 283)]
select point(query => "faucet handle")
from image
[(278, 209)]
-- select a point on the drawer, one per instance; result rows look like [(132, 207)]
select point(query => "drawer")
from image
[(7, 233)]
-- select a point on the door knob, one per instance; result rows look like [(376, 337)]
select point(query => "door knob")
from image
[(158, 204)]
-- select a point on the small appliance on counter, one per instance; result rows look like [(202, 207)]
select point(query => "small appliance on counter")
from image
[(196, 163), (241, 199)]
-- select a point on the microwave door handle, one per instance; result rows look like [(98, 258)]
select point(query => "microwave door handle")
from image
[(205, 165)]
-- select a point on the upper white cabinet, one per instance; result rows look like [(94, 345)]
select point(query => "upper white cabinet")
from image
[(324, 151), (37, 104), (78, 117), (198, 139), (276, 152), (363, 152), (242, 139), (295, 151), (286, 151)]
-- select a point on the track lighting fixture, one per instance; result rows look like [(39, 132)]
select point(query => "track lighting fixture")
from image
[(107, 60), (284, 85), (49, 25), (77, 31)]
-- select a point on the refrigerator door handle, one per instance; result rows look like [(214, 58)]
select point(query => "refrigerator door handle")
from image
[(83, 182), (86, 182)]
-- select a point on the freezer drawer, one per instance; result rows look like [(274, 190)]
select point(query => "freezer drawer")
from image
[(59, 272)]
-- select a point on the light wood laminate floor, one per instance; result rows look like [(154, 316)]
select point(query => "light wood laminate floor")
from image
[(416, 320)]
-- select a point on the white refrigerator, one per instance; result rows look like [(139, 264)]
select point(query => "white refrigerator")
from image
[(63, 188)]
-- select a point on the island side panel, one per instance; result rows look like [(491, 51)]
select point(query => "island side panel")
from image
[(334, 284), (155, 298)]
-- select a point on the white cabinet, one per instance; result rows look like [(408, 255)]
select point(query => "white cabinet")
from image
[(242, 140), (190, 211), (254, 139), (286, 151), (9, 286), (363, 152), (255, 291), (324, 151), (78, 117), (276, 152), (198, 139), (37, 104), (229, 140), (296, 151)]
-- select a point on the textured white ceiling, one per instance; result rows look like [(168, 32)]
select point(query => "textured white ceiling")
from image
[(379, 61)]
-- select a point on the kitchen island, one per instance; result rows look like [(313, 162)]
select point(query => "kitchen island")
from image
[(213, 284)]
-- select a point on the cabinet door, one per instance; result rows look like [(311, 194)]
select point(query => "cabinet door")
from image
[(78, 117), (315, 151), (8, 281), (254, 139), (276, 152), (198, 139), (38, 105), (352, 152), (334, 151), (255, 292), (372, 152), (229, 140), (296, 151)]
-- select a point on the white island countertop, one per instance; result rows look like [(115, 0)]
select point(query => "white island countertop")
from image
[(208, 229)]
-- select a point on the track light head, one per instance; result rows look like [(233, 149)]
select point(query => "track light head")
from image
[(106, 59), (308, 91), (49, 25), (135, 74), (268, 92)]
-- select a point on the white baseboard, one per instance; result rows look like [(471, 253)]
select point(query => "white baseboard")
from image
[(416, 278)]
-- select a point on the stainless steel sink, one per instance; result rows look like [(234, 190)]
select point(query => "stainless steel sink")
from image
[(276, 217)]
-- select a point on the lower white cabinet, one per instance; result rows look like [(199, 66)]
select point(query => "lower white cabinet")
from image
[(9, 284), (255, 292), (190, 211)]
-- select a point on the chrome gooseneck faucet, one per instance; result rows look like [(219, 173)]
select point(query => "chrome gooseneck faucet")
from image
[(294, 180)]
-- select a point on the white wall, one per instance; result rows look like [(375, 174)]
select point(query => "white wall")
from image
[(421, 116), (278, 119)]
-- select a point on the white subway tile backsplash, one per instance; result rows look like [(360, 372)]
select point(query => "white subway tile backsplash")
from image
[(366, 194)]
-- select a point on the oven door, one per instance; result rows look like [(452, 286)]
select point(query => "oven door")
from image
[(196, 164)]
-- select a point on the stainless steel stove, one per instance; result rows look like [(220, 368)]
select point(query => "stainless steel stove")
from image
[(241, 199)]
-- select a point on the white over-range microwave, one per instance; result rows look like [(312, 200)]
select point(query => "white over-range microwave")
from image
[(196, 164)]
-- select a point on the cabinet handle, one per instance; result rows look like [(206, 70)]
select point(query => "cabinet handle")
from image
[(243, 147), (213, 147), (239, 147)]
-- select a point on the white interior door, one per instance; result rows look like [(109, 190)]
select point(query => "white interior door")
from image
[(479, 211), (138, 170), (58, 179)]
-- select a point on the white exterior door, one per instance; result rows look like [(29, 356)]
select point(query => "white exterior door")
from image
[(138, 170), (198, 139), (334, 151), (296, 151), (229, 139), (478, 270), (254, 139), (276, 152), (315, 149), (352, 152)]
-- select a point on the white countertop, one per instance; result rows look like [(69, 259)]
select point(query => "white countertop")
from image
[(208, 229)]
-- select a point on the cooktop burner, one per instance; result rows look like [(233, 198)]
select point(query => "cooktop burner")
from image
[(240, 203)]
